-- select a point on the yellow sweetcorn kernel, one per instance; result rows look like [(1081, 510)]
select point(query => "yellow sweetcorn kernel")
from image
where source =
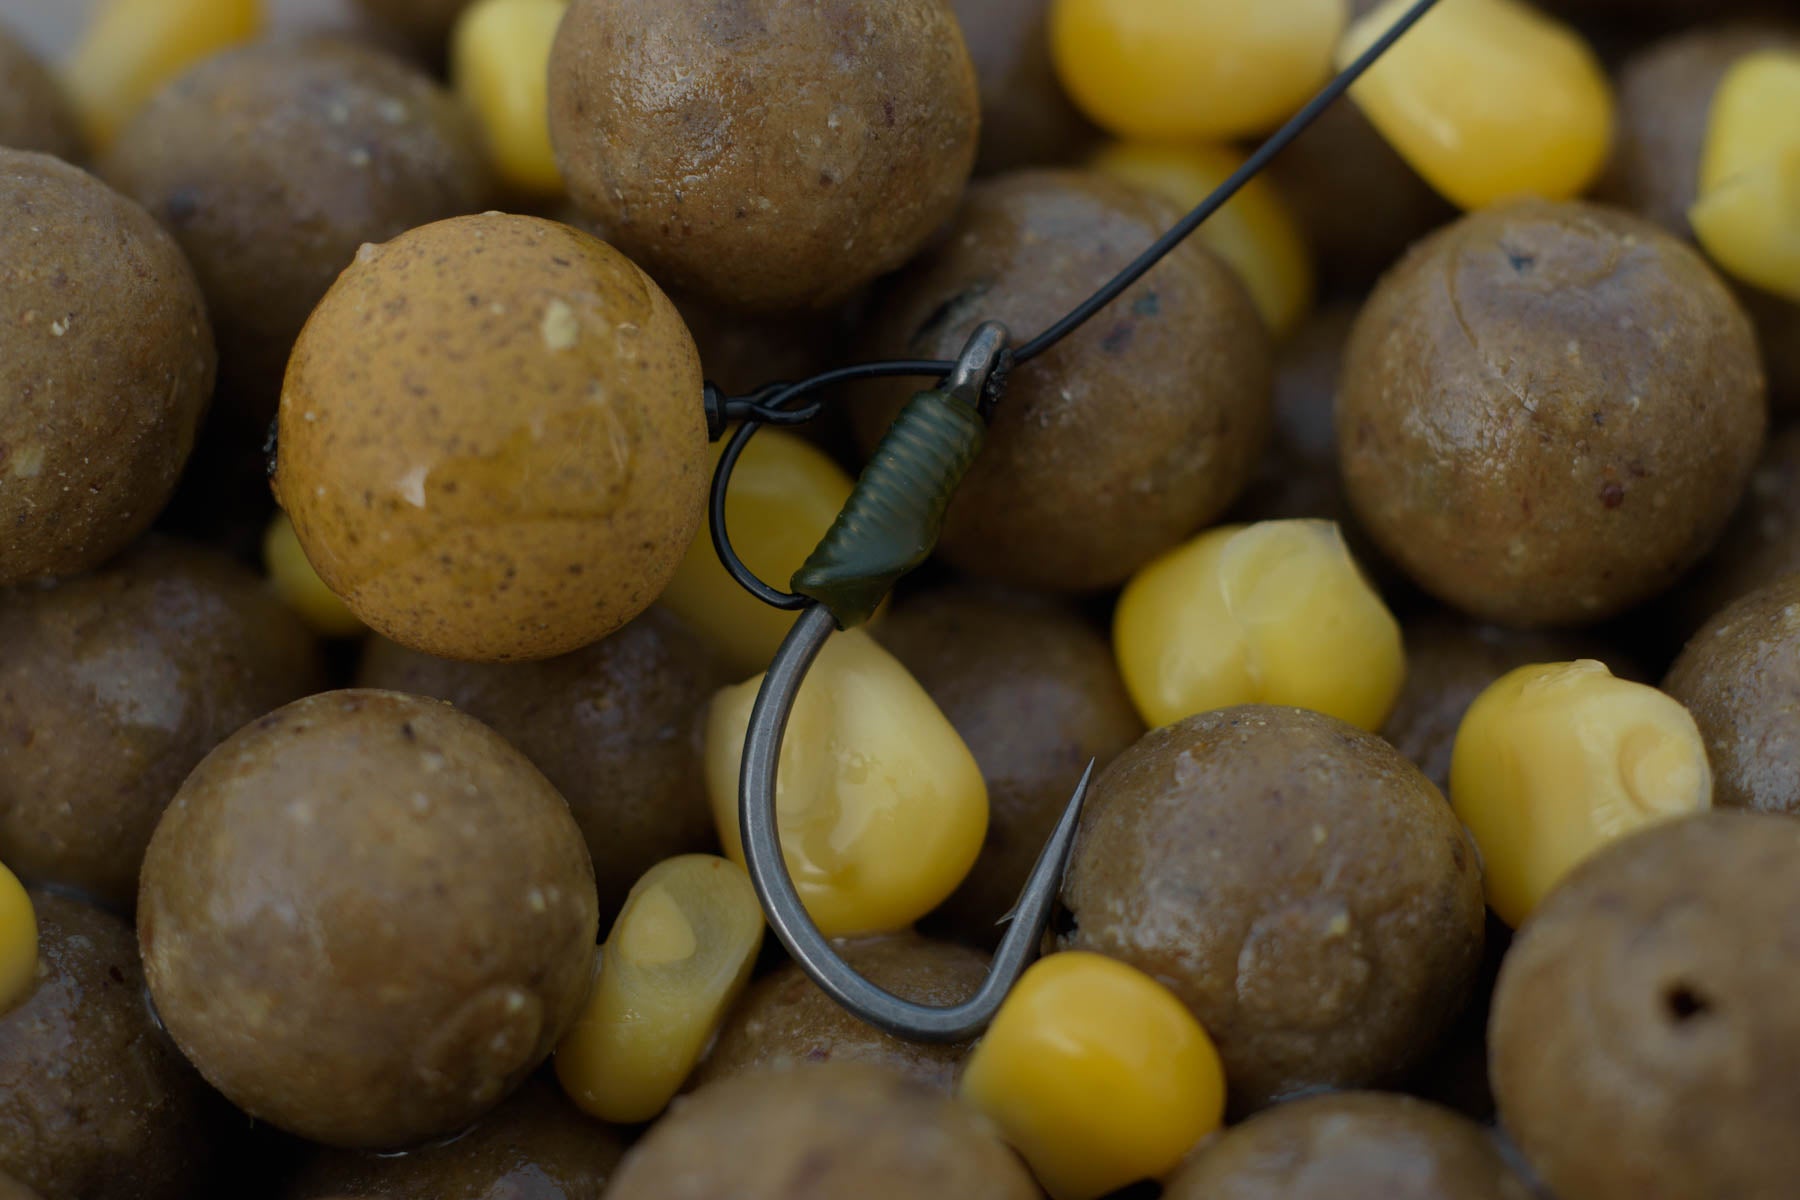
[(130, 48), (677, 959), (1748, 214), (300, 587), (1751, 226), (1554, 762), (881, 806), (1255, 233), (1167, 70), (1489, 100), (1755, 114), (785, 494), (1097, 1074), (1272, 613), (18, 940), (499, 63)]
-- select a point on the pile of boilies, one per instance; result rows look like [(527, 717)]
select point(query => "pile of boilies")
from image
[(1416, 551)]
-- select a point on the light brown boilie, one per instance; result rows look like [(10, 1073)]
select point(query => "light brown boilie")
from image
[(821, 1132), (1351, 1146), (535, 1146), (106, 361), (1740, 677), (113, 686), (1034, 692), (271, 164), (366, 919), (1644, 1039), (1121, 441), (766, 154), (492, 441), (1548, 412), (95, 1102), (784, 1019), (617, 727), (1299, 885), (34, 113)]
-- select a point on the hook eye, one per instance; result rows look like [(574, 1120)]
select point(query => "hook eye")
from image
[(787, 914)]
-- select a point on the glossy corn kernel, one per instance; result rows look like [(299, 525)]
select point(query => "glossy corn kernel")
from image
[(1097, 1074), (18, 940), (1487, 99), (500, 63), (1748, 214), (300, 587), (784, 495), (881, 806), (1273, 613), (1553, 762), (1163, 70), (130, 48), (677, 959), (1255, 233)]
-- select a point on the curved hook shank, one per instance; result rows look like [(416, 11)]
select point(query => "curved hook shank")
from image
[(787, 914)]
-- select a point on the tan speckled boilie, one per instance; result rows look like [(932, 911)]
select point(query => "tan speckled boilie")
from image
[(492, 441)]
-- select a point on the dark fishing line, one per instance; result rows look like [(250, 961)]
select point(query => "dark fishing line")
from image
[(775, 403)]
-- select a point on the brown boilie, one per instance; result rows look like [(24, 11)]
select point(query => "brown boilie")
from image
[(1548, 412), (367, 919), (1300, 885), (113, 686), (107, 363)]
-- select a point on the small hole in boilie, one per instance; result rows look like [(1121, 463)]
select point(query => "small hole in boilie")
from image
[(1684, 1003)]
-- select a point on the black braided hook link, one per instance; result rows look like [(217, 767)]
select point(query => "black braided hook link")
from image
[(775, 404)]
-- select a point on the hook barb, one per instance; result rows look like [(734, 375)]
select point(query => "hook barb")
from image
[(787, 913)]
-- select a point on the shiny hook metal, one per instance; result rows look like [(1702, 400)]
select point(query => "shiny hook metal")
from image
[(969, 384), (787, 914)]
